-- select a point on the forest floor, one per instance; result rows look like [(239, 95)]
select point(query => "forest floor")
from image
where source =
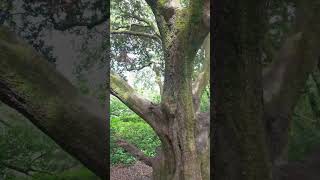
[(138, 171)]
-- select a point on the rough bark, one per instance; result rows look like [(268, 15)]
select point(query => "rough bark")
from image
[(285, 79), (282, 82), (32, 86), (240, 147), (177, 103), (146, 109)]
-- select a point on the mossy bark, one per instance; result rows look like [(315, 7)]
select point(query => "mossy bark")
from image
[(240, 147), (29, 84), (179, 157)]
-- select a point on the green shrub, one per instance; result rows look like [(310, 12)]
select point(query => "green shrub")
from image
[(78, 174), (305, 130), (134, 131)]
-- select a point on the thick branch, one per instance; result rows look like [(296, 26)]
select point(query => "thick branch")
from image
[(203, 78), (158, 77), (16, 168), (166, 8), (134, 33), (203, 142), (203, 131), (147, 110), (284, 80), (283, 83), (133, 150), (71, 24), (5, 123), (26, 171), (144, 20), (204, 15), (32, 86)]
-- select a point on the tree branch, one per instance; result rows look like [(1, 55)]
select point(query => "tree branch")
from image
[(203, 131), (33, 87), (203, 142), (158, 77), (202, 80), (282, 85), (134, 33), (133, 150), (71, 24), (26, 171), (146, 21), (147, 110), (16, 168), (284, 80), (5, 123)]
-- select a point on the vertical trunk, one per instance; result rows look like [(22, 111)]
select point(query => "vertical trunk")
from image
[(240, 149), (179, 149), (169, 164)]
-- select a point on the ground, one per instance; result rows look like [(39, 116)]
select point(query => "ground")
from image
[(138, 171)]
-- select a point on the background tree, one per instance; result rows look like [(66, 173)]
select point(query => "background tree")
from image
[(254, 107)]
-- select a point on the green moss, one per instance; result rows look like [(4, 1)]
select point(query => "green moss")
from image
[(121, 87), (79, 174), (162, 2)]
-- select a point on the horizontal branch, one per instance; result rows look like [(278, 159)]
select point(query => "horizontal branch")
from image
[(146, 109), (16, 168), (133, 150), (89, 24), (144, 20), (27, 171), (134, 33)]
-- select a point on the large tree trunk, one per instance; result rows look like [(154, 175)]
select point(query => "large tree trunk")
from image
[(168, 164), (179, 149), (184, 133), (240, 146)]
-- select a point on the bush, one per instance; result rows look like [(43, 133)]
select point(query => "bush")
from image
[(135, 131), (78, 174)]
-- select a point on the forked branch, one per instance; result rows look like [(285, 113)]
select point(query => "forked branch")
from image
[(146, 109)]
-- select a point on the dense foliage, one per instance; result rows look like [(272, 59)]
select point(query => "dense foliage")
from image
[(127, 125)]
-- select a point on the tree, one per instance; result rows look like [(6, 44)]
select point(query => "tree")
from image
[(253, 107), (33, 87), (183, 130)]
